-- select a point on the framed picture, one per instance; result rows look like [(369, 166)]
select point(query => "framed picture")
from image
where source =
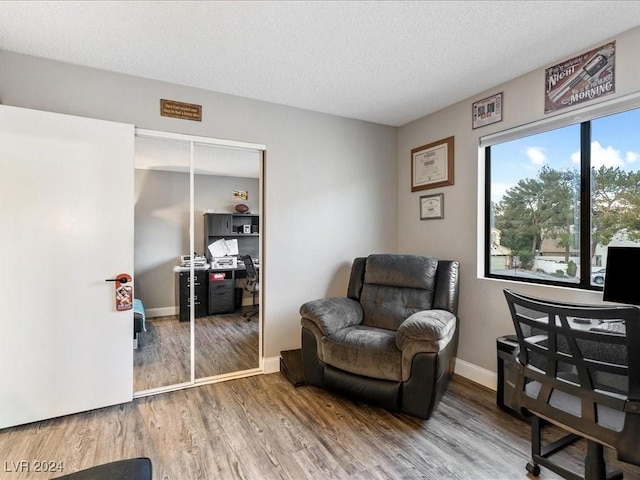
[(432, 165), (432, 206), (487, 111), (580, 79)]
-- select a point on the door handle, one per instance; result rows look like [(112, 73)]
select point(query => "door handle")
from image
[(122, 280), (123, 293)]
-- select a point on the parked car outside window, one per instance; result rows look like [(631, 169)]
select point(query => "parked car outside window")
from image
[(597, 276)]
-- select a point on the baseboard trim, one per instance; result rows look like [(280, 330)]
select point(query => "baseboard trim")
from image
[(472, 372), (476, 374), (161, 312), (271, 365), (166, 311)]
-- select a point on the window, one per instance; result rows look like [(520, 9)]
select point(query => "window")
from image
[(557, 198)]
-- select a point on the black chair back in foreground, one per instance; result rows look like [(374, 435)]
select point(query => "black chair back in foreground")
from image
[(579, 369), (128, 469)]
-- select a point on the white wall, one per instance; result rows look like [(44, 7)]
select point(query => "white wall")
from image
[(483, 310), (330, 182)]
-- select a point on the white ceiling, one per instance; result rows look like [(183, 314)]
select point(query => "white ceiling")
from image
[(388, 62)]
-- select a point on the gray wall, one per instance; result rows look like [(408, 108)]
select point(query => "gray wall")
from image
[(162, 226), (334, 188), (483, 310), (330, 190)]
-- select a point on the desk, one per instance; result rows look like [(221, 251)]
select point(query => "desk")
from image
[(222, 283), (213, 290)]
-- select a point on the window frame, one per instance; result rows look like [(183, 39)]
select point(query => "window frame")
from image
[(583, 117)]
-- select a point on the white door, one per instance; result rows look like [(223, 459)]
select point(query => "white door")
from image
[(66, 225)]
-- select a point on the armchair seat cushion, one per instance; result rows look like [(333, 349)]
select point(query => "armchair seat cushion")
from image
[(367, 351)]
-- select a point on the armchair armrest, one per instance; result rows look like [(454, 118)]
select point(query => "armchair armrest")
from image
[(426, 326), (332, 314)]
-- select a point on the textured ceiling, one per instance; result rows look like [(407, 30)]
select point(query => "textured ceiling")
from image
[(384, 62)]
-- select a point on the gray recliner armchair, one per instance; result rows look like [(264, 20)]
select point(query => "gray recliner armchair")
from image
[(392, 340)]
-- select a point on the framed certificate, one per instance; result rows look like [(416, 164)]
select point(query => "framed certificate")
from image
[(487, 111), (432, 206), (432, 165)]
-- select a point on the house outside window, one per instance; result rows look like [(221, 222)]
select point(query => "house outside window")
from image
[(559, 195)]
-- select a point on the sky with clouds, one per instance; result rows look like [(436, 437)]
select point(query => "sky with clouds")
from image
[(615, 143)]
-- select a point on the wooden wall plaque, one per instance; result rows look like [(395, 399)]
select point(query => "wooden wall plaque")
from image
[(185, 111)]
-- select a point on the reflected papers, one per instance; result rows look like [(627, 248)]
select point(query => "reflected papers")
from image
[(223, 248)]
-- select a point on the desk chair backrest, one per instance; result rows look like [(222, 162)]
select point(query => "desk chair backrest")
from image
[(251, 268), (577, 377), (252, 285)]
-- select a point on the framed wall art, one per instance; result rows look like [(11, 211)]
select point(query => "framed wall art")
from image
[(580, 79), (487, 111), (432, 206), (432, 165)]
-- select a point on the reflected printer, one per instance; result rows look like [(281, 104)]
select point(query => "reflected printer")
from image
[(224, 262)]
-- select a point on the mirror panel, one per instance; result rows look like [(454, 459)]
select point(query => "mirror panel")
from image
[(225, 340), (163, 353)]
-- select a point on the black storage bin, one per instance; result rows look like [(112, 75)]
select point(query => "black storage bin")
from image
[(507, 373)]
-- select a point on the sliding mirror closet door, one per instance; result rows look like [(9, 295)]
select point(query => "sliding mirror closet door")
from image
[(162, 220), (199, 325), (226, 219)]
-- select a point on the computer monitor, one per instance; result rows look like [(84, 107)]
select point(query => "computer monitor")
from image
[(620, 281)]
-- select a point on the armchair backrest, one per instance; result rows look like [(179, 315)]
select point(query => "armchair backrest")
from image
[(392, 287), (577, 376)]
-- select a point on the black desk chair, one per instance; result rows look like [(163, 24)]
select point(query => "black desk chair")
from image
[(252, 284), (584, 381)]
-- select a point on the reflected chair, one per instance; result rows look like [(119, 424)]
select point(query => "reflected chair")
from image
[(392, 340), (128, 469), (578, 369), (252, 284)]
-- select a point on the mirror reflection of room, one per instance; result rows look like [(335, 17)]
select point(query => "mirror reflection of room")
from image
[(225, 220)]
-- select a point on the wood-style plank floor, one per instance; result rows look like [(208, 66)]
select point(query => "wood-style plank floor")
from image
[(261, 427), (224, 344)]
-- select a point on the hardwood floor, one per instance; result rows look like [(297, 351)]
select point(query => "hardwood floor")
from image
[(261, 427), (224, 344)]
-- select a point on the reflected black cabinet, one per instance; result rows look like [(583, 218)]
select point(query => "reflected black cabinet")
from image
[(218, 224), (243, 227), (234, 224), (221, 291), (201, 294)]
